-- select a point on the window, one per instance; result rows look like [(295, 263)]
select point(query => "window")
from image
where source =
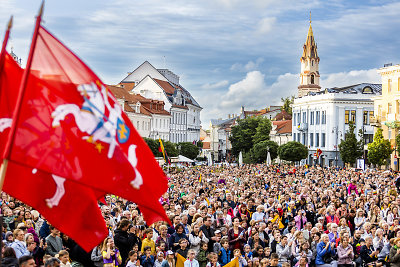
[(317, 139), (138, 124), (368, 138), (317, 117), (312, 118), (312, 62), (323, 139), (389, 85), (311, 139), (365, 118), (294, 120), (312, 78), (346, 116), (323, 117), (304, 117), (298, 117), (353, 116), (389, 108), (304, 139), (389, 133)]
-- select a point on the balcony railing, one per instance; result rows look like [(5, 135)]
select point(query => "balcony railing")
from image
[(302, 127)]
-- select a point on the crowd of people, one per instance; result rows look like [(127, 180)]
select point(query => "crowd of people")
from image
[(253, 215)]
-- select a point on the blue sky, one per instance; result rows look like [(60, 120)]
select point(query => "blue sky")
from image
[(228, 53)]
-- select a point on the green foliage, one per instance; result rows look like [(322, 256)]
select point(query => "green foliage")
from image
[(188, 150), (153, 145), (260, 150), (247, 131), (200, 144), (262, 131), (171, 149), (350, 148), (398, 143), (168, 146), (287, 104), (293, 151), (379, 150)]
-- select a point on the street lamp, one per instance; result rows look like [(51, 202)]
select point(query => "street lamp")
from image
[(336, 130)]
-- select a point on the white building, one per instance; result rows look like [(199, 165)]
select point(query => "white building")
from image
[(163, 85), (148, 116), (321, 118)]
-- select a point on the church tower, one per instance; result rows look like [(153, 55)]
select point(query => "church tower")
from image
[(309, 76)]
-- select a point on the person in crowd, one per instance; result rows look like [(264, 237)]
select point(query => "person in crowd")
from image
[(9, 258), (54, 242), (368, 254), (111, 254), (26, 261), (325, 253), (191, 259), (345, 253), (19, 244), (124, 239)]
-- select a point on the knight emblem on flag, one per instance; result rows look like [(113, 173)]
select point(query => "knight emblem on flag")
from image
[(123, 131)]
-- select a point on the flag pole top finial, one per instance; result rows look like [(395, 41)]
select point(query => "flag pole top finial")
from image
[(310, 17), (41, 9), (10, 23)]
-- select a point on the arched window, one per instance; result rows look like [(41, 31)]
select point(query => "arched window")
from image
[(312, 78)]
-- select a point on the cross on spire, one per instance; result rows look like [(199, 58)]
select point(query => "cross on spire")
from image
[(310, 16)]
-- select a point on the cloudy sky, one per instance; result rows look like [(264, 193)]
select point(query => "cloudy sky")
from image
[(228, 53)]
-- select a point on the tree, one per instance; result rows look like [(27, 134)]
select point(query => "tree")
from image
[(260, 151), (188, 150), (287, 104), (262, 131), (350, 148), (379, 150), (293, 151), (243, 134), (170, 148), (153, 145)]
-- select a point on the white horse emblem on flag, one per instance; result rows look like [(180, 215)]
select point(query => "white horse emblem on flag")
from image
[(91, 120)]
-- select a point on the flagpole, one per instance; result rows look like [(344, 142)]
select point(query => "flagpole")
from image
[(2, 58), (5, 162), (21, 91)]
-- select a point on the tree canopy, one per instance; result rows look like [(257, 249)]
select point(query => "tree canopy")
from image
[(379, 150), (248, 132), (293, 151), (188, 150), (350, 148)]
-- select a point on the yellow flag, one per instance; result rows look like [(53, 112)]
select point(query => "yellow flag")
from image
[(180, 260), (232, 263), (200, 178)]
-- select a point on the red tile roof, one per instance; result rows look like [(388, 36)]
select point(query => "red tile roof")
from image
[(283, 115), (283, 127), (206, 145), (168, 88)]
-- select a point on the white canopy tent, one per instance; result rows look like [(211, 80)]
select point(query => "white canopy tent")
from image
[(184, 159)]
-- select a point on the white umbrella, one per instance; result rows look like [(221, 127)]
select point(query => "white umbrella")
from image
[(268, 159), (209, 159), (240, 159)]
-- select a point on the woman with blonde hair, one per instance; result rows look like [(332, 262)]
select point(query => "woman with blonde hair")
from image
[(110, 253)]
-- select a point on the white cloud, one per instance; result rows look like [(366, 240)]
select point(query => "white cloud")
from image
[(266, 24), (215, 85), (253, 93), (249, 66), (349, 78)]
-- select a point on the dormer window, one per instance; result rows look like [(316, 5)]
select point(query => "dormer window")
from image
[(137, 108), (367, 90)]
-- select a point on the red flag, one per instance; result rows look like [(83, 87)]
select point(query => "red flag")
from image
[(54, 197), (71, 126)]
